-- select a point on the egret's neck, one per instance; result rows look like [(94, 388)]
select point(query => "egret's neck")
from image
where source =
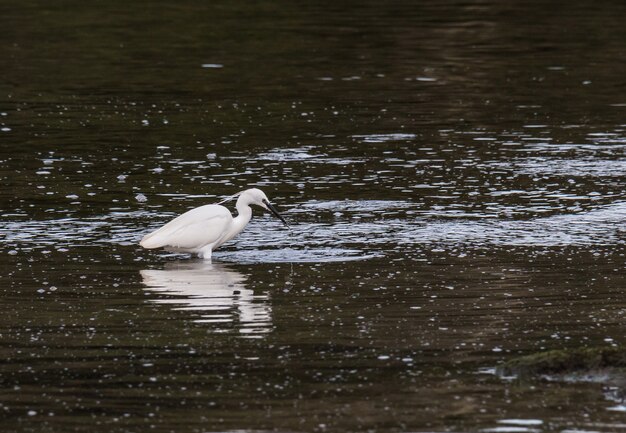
[(244, 213)]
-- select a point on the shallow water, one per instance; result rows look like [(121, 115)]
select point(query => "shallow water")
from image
[(453, 174)]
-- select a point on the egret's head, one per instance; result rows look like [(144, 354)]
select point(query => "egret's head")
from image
[(258, 197)]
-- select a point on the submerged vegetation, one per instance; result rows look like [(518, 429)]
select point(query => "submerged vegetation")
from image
[(566, 361)]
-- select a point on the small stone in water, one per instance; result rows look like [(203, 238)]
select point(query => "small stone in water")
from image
[(141, 198)]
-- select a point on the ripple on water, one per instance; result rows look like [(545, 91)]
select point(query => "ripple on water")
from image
[(605, 147), (347, 237), (600, 226), (383, 138), (521, 422), (295, 255), (352, 205), (304, 154), (595, 167), (510, 429)]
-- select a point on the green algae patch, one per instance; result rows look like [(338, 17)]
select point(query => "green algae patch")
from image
[(558, 362)]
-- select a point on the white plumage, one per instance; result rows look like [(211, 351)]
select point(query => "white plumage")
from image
[(203, 229)]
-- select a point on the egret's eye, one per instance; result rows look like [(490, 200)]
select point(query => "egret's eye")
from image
[(265, 201)]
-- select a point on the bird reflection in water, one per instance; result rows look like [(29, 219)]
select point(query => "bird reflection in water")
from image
[(213, 291)]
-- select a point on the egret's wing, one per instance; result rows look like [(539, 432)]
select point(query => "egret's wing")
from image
[(193, 229)]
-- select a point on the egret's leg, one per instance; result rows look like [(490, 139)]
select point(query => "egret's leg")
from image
[(205, 253)]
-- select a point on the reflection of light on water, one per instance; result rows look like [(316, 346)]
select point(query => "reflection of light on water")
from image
[(303, 154), (596, 167), (515, 426), (510, 429), (214, 291), (359, 230), (382, 138), (291, 255)]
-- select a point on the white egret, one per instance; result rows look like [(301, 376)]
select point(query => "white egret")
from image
[(205, 228)]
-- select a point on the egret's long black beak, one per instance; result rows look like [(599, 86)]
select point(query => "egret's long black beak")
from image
[(275, 212)]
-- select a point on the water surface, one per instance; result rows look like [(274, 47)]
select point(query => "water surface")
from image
[(453, 174)]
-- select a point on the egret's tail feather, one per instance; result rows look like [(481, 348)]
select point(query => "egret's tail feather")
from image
[(150, 241), (148, 244)]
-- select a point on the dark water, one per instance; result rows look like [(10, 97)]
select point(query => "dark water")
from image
[(453, 172)]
